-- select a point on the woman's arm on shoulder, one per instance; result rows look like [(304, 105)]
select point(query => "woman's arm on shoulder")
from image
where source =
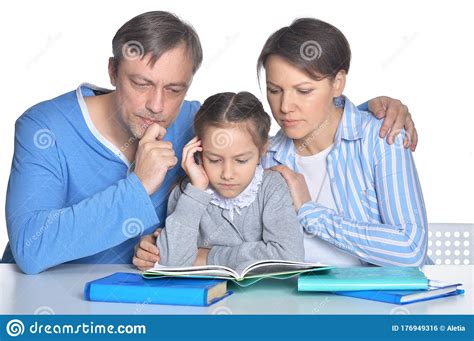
[(396, 117), (401, 238)]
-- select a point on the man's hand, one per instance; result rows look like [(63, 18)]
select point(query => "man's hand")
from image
[(154, 158), (396, 117), (146, 252)]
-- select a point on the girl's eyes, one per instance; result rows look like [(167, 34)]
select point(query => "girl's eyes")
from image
[(239, 161)]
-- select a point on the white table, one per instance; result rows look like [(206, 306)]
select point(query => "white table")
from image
[(60, 291)]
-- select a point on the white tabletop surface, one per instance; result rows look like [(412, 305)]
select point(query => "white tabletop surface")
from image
[(60, 291)]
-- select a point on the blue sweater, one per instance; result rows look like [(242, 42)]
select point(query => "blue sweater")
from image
[(71, 197)]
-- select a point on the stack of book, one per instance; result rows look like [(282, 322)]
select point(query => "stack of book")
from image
[(205, 285), (398, 285), (194, 285)]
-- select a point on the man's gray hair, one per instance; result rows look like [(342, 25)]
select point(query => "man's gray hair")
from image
[(155, 32)]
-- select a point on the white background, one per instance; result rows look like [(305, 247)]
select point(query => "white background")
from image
[(419, 52)]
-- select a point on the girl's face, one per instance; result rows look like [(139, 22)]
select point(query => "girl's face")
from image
[(229, 158), (299, 104)]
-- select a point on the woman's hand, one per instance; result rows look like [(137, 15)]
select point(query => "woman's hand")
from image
[(195, 172), (146, 253), (297, 185), (201, 258), (396, 117)]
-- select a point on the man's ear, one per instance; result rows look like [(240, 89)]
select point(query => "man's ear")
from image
[(339, 83), (112, 70)]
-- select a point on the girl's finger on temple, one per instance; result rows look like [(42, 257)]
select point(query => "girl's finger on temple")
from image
[(193, 140), (189, 159), (192, 151), (191, 145), (185, 151), (185, 156)]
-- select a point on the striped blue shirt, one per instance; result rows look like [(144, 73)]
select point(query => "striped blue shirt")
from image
[(381, 214)]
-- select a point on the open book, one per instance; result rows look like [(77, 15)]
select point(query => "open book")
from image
[(250, 274)]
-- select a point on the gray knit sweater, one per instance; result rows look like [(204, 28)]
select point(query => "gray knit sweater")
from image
[(267, 229)]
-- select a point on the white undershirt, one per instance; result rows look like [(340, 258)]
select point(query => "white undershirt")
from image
[(314, 169)]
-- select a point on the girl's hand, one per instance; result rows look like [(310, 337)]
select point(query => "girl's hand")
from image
[(297, 185), (201, 258), (195, 172), (146, 253)]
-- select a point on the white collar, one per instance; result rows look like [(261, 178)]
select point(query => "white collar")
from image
[(244, 199)]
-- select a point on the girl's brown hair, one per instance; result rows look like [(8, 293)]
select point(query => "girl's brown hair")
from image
[(226, 108)]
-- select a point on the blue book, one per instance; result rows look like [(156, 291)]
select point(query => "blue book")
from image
[(406, 296), (364, 278), (133, 288)]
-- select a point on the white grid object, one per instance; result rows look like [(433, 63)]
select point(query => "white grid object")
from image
[(451, 244)]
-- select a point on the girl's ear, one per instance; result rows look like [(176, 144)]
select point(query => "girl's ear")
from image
[(339, 83)]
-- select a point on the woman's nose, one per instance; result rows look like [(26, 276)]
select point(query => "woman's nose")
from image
[(286, 104)]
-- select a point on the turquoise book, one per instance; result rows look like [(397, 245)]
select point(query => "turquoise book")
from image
[(364, 278), (133, 288)]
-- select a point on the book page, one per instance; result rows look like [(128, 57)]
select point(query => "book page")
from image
[(206, 270), (265, 268), (277, 267)]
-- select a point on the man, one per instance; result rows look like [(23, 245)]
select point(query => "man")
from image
[(92, 169)]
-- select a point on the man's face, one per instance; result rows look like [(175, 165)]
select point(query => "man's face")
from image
[(147, 94)]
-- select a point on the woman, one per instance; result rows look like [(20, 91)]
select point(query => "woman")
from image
[(397, 115), (357, 197)]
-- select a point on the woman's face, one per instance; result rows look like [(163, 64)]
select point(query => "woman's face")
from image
[(299, 103)]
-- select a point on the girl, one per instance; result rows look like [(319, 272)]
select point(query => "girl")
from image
[(229, 211), (358, 198)]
